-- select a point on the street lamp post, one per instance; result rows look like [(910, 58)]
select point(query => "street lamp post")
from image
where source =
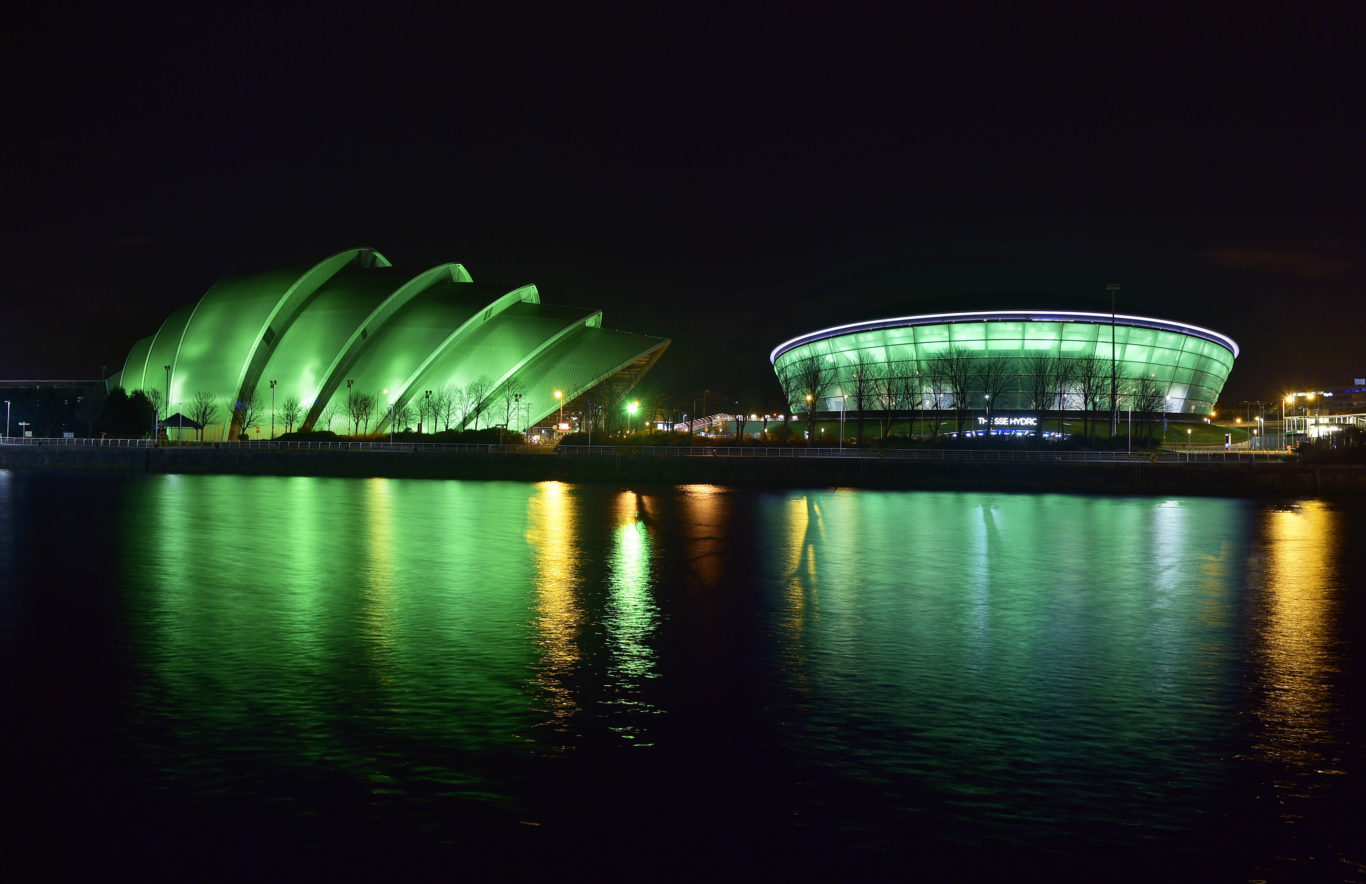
[(168, 391), (1188, 444), (631, 411), (1114, 376), (272, 409), (6, 420), (844, 397), (1284, 403), (428, 397), (559, 394)]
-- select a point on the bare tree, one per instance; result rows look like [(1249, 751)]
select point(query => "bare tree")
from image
[(864, 375), (1091, 376), (994, 375), (355, 409), (367, 408), (155, 396), (806, 382), (1147, 395), (1049, 379), (932, 389), (248, 412), (1040, 372), (325, 419), (885, 394), (954, 368), (446, 402), (511, 396), (477, 393), (203, 410), (290, 410)]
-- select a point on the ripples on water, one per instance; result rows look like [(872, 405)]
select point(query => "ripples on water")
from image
[(684, 680)]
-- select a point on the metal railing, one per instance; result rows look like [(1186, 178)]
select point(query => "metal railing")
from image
[(1195, 454)]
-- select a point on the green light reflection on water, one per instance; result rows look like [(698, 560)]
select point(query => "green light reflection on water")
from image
[(981, 647), (1023, 637), (632, 614), (274, 609)]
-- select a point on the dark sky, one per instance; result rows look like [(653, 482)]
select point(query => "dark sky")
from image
[(724, 178)]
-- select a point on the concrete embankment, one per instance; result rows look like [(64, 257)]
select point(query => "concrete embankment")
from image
[(1239, 479)]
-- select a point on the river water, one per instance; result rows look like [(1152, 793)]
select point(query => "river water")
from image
[(212, 676)]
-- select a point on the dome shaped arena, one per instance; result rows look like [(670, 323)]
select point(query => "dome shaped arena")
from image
[(1003, 361), (354, 326)]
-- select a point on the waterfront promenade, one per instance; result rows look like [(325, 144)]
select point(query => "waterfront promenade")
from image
[(1234, 473)]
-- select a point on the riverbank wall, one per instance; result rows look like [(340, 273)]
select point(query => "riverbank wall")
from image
[(623, 467)]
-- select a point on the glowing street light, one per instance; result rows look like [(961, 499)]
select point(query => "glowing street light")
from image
[(272, 409), (1188, 444), (559, 394), (631, 410)]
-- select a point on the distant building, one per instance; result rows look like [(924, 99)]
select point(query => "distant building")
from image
[(50, 408), (356, 325), (1188, 364)]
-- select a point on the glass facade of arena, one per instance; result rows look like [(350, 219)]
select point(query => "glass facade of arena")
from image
[(354, 323), (1189, 363)]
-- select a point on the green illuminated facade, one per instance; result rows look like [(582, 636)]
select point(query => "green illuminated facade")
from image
[(1188, 364), (355, 324)]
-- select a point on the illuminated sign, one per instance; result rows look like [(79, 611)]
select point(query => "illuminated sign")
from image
[(1002, 421)]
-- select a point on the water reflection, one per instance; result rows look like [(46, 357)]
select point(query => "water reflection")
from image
[(1024, 638), (702, 524), (551, 539), (631, 616), (1296, 651), (377, 579), (1029, 672)]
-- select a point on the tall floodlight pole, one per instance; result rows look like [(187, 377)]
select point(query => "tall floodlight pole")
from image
[(430, 416), (272, 409), (1114, 366), (168, 391)]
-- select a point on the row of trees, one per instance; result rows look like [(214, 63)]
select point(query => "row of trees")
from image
[(955, 378), (452, 406)]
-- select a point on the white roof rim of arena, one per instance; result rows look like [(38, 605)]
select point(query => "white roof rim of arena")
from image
[(1003, 316)]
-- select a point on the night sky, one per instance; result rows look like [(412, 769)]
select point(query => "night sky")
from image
[(724, 178)]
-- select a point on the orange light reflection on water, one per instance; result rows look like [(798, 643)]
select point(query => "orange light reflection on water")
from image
[(559, 615), (1295, 653)]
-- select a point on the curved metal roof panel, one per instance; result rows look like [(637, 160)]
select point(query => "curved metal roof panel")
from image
[(354, 317), (1008, 316)]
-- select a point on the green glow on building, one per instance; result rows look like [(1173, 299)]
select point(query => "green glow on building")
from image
[(356, 318), (1190, 364)]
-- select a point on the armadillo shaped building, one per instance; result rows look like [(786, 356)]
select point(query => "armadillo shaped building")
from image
[(354, 325)]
